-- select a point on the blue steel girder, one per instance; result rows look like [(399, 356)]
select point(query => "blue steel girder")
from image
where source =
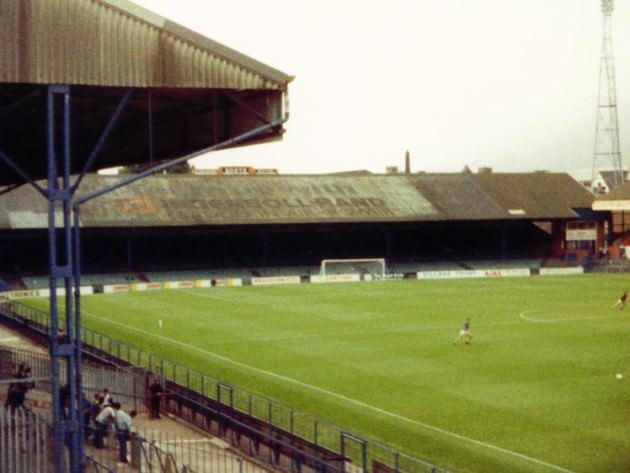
[(64, 256), (65, 343)]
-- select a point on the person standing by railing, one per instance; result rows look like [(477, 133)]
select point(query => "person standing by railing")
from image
[(24, 372), (156, 393), (122, 420), (107, 398), (102, 421), (15, 398)]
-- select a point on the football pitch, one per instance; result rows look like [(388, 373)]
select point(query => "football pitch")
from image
[(536, 391)]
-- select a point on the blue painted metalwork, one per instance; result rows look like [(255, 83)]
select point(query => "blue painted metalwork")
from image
[(9, 188), (141, 175), (19, 171), (64, 344), (103, 138), (76, 268), (65, 259), (107, 348), (58, 423)]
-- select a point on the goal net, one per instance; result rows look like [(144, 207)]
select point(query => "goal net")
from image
[(368, 269)]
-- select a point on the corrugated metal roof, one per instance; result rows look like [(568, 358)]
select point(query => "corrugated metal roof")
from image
[(458, 197), (117, 43), (538, 195), (265, 200)]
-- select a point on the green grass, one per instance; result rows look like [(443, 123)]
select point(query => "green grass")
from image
[(537, 382)]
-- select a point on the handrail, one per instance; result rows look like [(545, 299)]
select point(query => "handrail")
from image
[(379, 451)]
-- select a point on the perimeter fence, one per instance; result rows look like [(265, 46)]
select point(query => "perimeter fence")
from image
[(24, 442), (125, 385), (26, 445), (286, 438)]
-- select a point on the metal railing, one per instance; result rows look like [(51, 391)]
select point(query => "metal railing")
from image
[(199, 455), (25, 447), (95, 466), (24, 442), (124, 385), (367, 454)]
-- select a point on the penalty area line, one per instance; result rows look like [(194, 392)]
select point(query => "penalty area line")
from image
[(333, 394)]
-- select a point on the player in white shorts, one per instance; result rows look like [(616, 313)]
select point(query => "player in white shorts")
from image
[(621, 302), (464, 333)]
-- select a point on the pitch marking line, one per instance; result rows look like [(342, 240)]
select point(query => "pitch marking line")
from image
[(333, 394)]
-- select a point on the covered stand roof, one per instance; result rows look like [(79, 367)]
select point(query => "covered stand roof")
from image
[(617, 200), (174, 200), (190, 92)]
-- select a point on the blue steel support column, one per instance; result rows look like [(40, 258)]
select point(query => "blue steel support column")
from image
[(77, 308), (66, 418), (72, 369), (52, 266)]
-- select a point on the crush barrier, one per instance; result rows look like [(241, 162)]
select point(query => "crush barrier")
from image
[(24, 442), (124, 385), (273, 433)]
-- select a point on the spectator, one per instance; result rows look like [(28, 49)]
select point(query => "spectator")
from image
[(23, 372), (101, 424), (30, 384), (155, 394), (19, 374), (95, 409), (64, 396), (61, 336), (107, 397), (15, 398), (123, 430), (86, 409)]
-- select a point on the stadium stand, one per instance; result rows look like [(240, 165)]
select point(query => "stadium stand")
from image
[(39, 282), (504, 264), (117, 89), (268, 225), (4, 286)]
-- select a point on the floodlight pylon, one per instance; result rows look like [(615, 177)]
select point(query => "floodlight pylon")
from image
[(607, 150)]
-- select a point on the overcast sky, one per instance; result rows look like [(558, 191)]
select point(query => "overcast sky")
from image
[(510, 84)]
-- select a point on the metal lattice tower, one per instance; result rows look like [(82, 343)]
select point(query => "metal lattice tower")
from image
[(607, 151)]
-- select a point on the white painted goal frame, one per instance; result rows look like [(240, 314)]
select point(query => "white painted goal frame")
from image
[(378, 262)]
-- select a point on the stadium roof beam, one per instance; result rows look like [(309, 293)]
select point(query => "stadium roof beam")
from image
[(102, 83), (103, 47)]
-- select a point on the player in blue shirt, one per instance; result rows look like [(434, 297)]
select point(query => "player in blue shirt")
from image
[(464, 333)]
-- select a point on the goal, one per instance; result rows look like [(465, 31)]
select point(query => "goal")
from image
[(367, 268)]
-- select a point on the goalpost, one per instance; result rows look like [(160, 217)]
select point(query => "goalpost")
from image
[(368, 269)]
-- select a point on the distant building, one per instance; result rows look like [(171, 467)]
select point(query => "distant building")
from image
[(617, 203), (236, 171)]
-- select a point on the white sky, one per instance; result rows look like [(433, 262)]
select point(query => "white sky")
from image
[(510, 84)]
